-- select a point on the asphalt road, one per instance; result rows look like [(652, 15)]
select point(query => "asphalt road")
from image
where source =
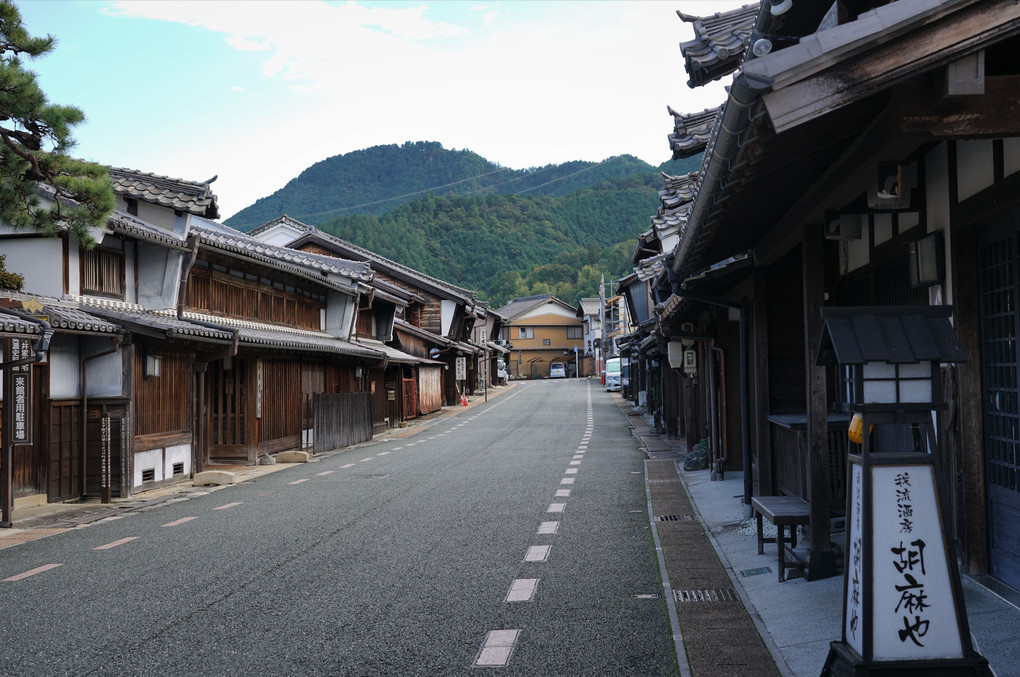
[(394, 558)]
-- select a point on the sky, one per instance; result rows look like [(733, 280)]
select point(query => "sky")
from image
[(255, 91)]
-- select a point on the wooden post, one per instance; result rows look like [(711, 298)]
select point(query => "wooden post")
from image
[(760, 369), (7, 442), (821, 559)]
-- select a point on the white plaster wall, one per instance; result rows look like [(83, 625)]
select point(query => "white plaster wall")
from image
[(447, 310), (281, 235), (339, 314), (161, 217), (857, 251), (883, 228), (179, 453), (40, 260), (148, 460), (106, 374), (65, 372), (974, 167), (936, 172), (1011, 151)]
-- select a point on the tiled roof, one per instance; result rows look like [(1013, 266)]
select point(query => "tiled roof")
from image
[(162, 322), (401, 325), (222, 237), (691, 132), (392, 354), (719, 43), (10, 324), (650, 267), (589, 306), (679, 190), (287, 338), (126, 224), (671, 219), (381, 263), (63, 315), (186, 196)]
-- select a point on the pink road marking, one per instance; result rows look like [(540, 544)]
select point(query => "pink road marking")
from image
[(303, 479), (33, 572), (228, 505), (114, 544), (180, 521), (382, 453)]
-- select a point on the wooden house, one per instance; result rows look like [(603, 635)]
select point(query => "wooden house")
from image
[(868, 156), (178, 342), (441, 314)]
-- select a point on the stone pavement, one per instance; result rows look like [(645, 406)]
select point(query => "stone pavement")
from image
[(794, 620)]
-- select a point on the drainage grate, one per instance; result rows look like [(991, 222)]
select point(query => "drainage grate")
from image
[(719, 595), (756, 572), (675, 518)]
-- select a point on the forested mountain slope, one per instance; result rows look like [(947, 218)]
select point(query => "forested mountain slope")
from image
[(458, 217)]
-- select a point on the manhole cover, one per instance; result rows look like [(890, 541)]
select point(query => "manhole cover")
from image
[(719, 595)]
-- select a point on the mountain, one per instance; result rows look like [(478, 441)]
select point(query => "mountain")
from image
[(378, 179), (454, 215)]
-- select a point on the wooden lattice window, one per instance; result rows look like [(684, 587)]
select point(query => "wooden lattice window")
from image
[(102, 272)]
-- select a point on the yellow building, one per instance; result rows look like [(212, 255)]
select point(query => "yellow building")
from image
[(539, 331)]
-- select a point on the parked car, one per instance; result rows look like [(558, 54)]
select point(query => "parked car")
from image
[(557, 370), (613, 373)]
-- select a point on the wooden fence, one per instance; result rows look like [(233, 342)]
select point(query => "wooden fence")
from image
[(341, 419)]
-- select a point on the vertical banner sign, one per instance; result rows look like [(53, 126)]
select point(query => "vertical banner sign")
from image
[(21, 381), (461, 368), (104, 442), (258, 389), (852, 629)]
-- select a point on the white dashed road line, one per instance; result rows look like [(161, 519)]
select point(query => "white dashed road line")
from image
[(231, 505), (178, 522), (556, 507), (496, 648), (548, 527), (522, 590), (537, 553)]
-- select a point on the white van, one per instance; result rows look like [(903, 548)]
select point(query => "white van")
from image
[(557, 370), (613, 373)]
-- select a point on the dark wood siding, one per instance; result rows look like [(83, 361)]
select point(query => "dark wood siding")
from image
[(162, 404), (219, 294)]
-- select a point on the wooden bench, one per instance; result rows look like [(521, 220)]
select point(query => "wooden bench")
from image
[(783, 511)]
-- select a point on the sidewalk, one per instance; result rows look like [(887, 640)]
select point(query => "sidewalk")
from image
[(46, 519), (797, 619)]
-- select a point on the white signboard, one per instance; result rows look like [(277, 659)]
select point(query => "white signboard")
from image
[(461, 368), (852, 628), (912, 598), (21, 383)]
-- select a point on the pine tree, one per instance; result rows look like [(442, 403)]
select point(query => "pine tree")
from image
[(35, 138)]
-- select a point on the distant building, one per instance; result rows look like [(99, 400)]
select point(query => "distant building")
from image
[(540, 330)]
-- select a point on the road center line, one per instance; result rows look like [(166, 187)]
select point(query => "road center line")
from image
[(537, 553), (548, 527), (33, 572), (556, 507), (228, 505), (522, 590), (496, 648), (177, 522), (567, 480), (571, 471), (114, 544), (325, 472), (562, 493), (303, 479), (349, 465)]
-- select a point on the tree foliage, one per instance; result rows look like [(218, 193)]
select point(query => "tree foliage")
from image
[(10, 279), (35, 138)]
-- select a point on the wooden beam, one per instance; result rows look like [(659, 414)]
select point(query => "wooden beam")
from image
[(994, 113), (844, 74), (760, 387), (847, 178)]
